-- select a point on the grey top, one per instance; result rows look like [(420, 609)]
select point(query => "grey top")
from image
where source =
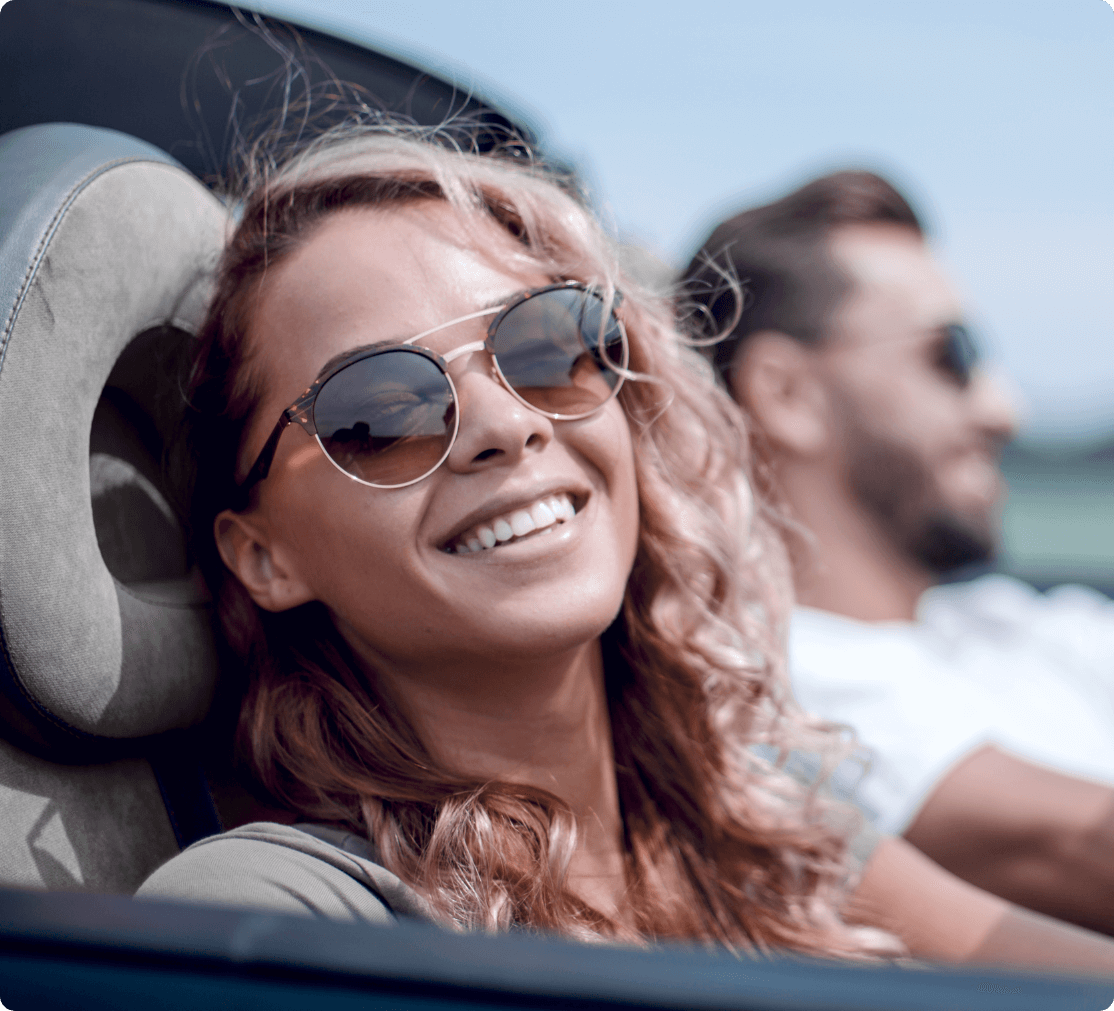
[(308, 870), (313, 870)]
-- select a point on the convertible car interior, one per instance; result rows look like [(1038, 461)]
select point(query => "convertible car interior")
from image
[(108, 665)]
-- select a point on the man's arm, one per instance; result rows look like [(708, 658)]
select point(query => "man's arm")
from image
[(941, 918), (1040, 839)]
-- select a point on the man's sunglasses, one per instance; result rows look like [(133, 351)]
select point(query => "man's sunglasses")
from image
[(386, 415), (958, 354)]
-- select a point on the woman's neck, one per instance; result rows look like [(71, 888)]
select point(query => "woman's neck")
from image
[(544, 724)]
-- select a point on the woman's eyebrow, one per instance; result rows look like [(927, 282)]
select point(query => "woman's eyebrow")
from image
[(333, 362), (498, 303)]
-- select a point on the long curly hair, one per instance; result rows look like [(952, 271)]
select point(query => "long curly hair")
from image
[(721, 844)]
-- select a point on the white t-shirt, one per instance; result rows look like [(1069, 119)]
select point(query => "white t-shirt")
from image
[(989, 661)]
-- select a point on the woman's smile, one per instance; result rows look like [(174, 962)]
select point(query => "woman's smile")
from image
[(506, 524)]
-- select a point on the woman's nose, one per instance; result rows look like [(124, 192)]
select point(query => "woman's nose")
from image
[(496, 428)]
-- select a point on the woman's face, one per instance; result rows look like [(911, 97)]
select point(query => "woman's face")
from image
[(384, 560)]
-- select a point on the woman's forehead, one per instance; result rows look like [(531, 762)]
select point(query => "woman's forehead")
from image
[(399, 259), (379, 274)]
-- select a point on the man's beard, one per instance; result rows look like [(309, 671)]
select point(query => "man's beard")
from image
[(898, 491)]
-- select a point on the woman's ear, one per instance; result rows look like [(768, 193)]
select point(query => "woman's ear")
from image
[(250, 554), (775, 379)]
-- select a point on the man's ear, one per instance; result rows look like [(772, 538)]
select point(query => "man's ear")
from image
[(257, 563), (774, 377)]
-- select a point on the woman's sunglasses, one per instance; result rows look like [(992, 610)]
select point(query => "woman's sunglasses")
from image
[(386, 415)]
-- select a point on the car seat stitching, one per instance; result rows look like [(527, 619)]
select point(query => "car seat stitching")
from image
[(55, 222)]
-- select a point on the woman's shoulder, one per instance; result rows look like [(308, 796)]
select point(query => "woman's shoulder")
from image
[(309, 870)]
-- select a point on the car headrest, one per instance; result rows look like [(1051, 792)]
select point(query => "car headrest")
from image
[(107, 248)]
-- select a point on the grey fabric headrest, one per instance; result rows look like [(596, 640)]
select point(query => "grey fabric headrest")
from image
[(103, 238)]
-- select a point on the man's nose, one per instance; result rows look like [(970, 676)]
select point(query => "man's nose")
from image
[(994, 405)]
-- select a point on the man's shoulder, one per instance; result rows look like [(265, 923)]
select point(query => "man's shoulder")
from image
[(993, 593), (811, 627), (830, 652), (1005, 601)]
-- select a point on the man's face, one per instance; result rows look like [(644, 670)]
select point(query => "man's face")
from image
[(919, 436)]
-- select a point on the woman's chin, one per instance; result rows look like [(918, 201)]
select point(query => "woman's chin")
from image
[(528, 635), (536, 611)]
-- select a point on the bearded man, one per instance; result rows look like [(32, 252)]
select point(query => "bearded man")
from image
[(989, 708)]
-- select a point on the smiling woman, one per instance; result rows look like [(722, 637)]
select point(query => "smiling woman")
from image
[(479, 528), (509, 628)]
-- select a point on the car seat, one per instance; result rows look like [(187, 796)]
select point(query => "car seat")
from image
[(106, 653)]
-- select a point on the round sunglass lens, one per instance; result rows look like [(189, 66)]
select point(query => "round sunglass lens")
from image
[(386, 419), (554, 349)]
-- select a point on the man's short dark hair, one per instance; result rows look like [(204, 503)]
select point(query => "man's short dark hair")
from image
[(779, 254)]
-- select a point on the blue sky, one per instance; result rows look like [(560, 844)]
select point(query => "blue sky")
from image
[(995, 116)]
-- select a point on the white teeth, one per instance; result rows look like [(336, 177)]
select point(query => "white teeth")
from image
[(542, 516), (562, 508)]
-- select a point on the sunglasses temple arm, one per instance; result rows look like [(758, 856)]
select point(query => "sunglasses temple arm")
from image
[(262, 466)]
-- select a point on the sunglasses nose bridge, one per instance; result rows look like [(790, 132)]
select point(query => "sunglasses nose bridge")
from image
[(464, 349), (494, 423), (489, 368)]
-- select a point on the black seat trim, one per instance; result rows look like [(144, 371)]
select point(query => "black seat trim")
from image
[(184, 787)]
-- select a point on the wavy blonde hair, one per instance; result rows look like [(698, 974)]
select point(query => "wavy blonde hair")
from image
[(721, 844)]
